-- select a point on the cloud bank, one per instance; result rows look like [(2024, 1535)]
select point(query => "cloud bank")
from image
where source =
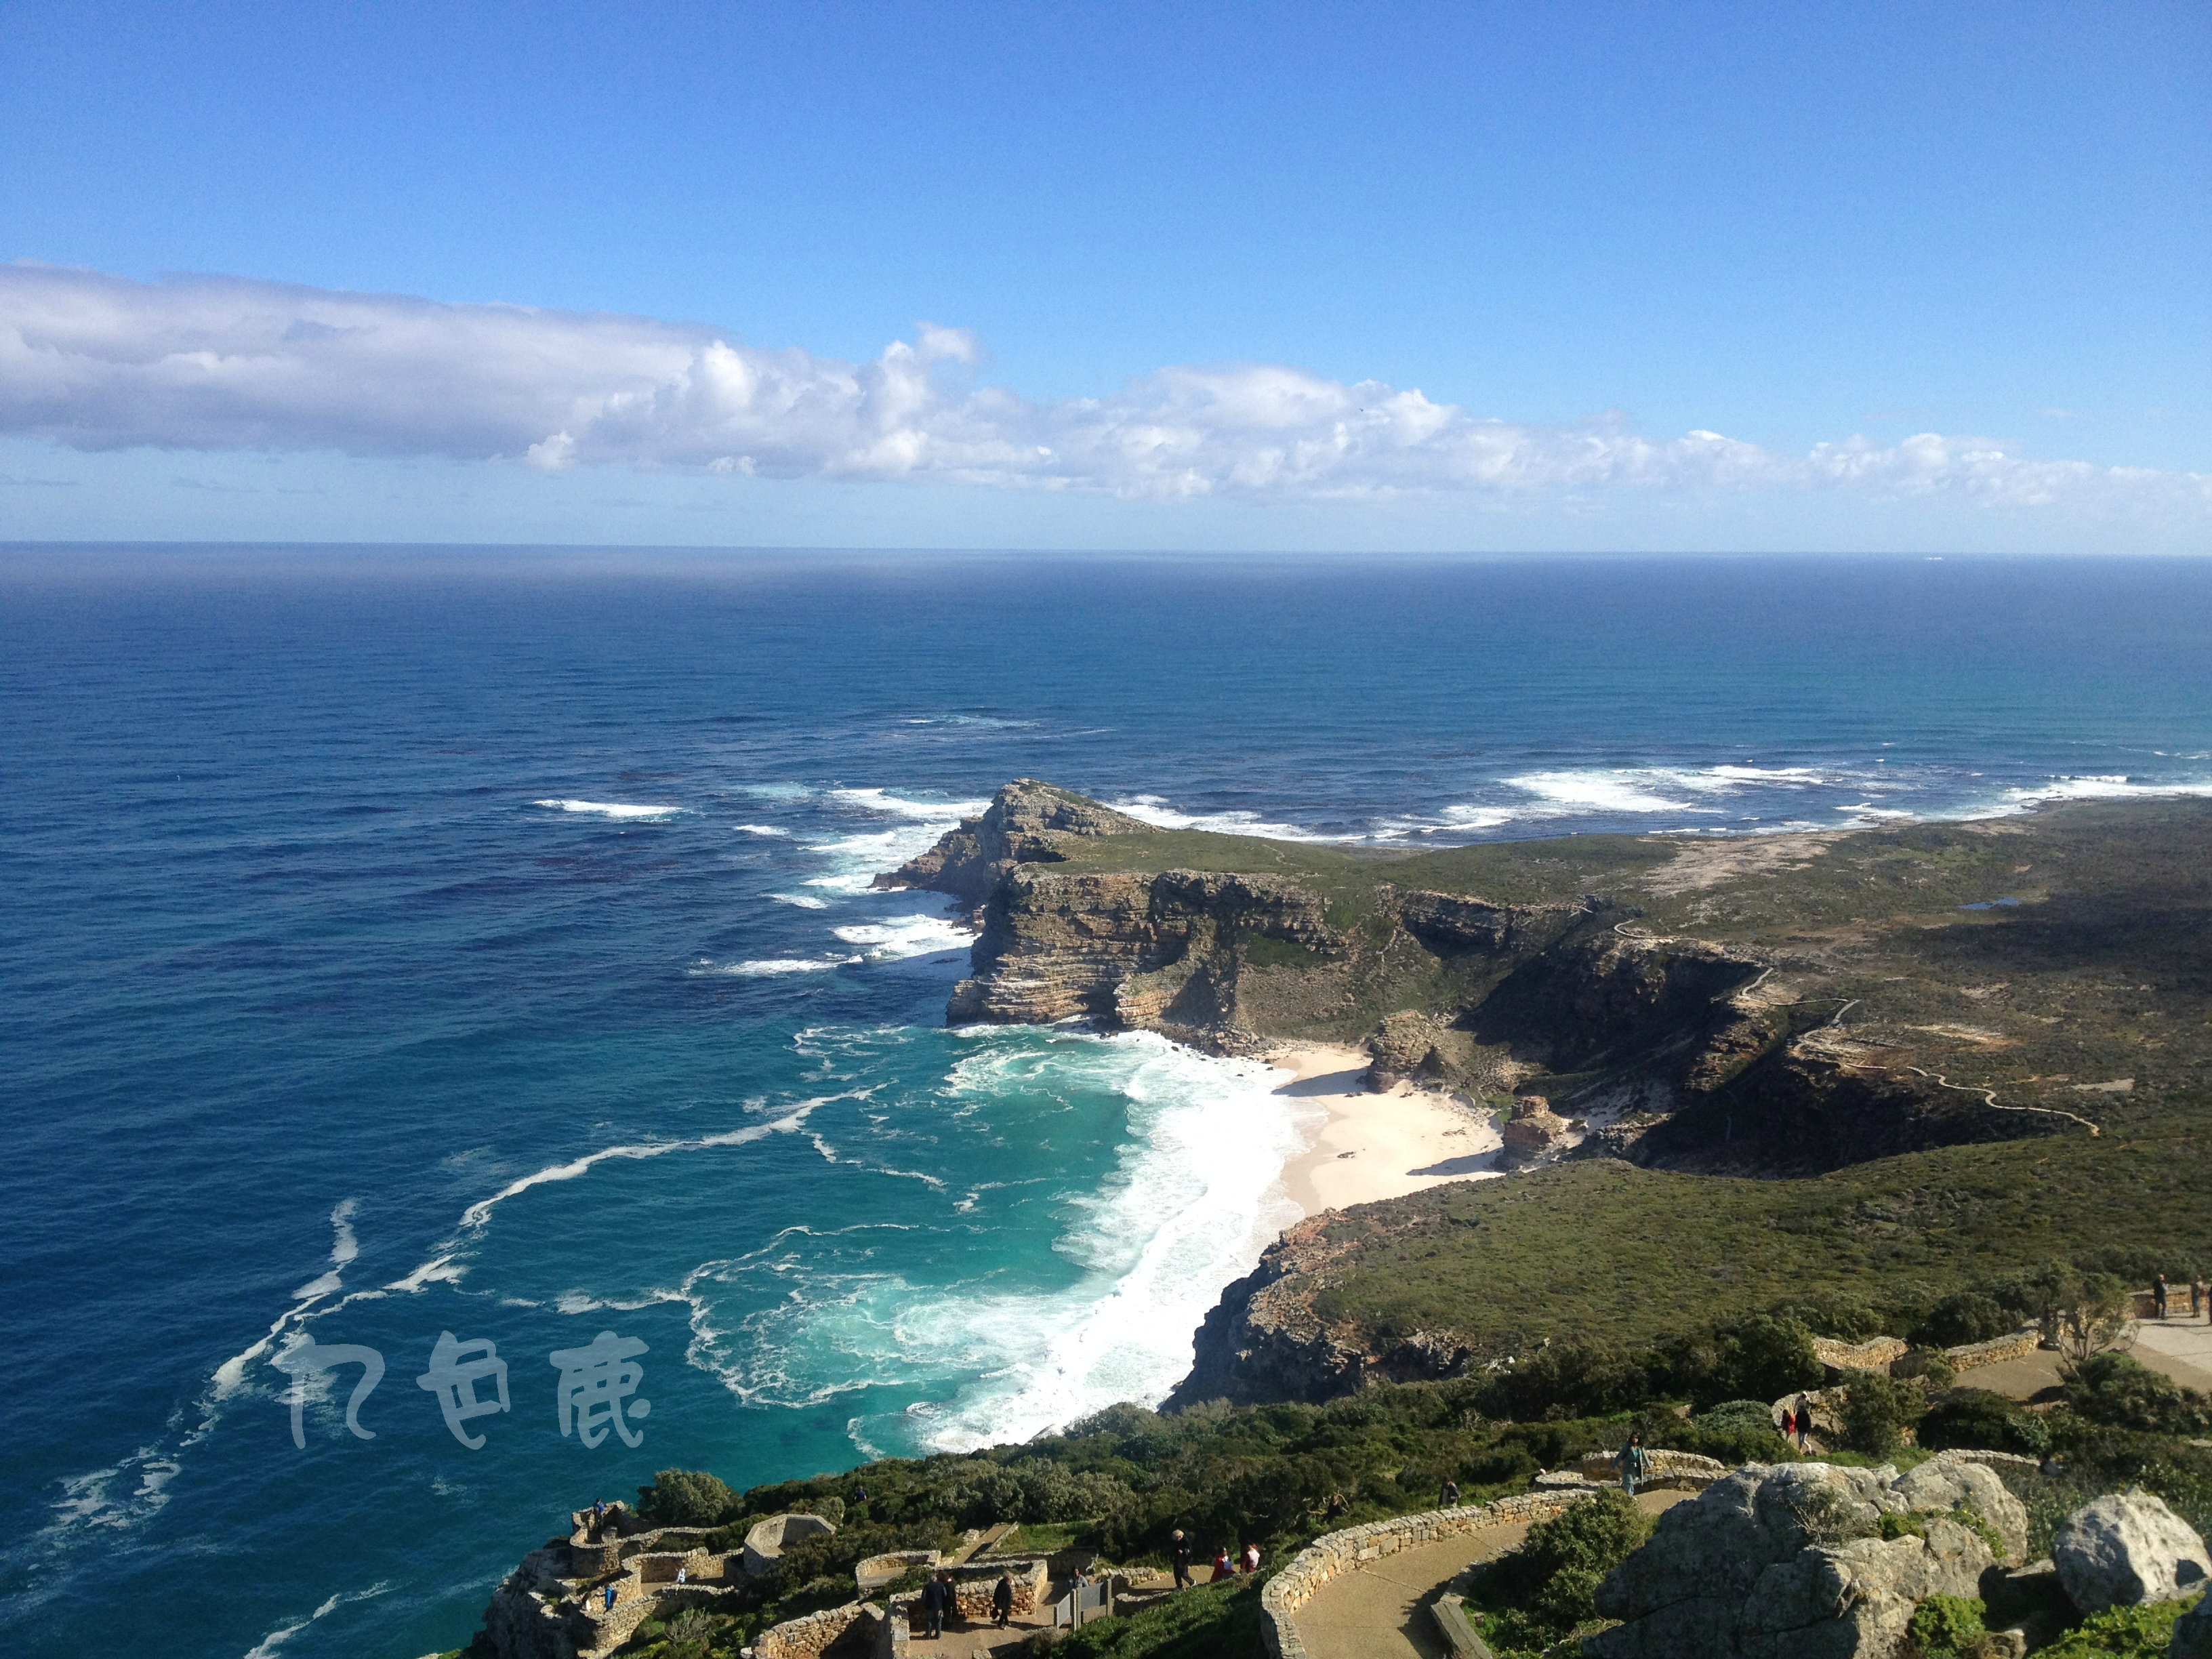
[(101, 362)]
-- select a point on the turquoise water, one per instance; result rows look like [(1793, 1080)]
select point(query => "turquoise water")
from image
[(400, 943)]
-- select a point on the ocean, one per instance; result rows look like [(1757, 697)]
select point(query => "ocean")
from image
[(405, 942)]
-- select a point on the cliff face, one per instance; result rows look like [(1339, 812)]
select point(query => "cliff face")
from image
[(1660, 1046), (1162, 952)]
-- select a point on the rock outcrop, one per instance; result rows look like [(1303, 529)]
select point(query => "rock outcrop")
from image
[(1534, 1130), (1783, 1562), (2128, 1548), (1027, 822)]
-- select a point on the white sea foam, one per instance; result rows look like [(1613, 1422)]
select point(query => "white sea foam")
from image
[(900, 937), (882, 800), (1155, 810), (774, 967), (804, 901), (276, 1638), (1613, 790), (1195, 1196), (610, 809), (2103, 786), (479, 1212), (762, 829)]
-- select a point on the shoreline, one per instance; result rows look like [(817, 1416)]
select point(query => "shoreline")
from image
[(1376, 1145)]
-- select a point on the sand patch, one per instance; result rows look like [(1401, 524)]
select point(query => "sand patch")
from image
[(1702, 864), (1377, 1146)]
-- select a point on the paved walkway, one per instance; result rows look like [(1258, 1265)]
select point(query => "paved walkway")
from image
[(2181, 1347), (1376, 1613)]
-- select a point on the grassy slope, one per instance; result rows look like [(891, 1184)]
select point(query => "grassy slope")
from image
[(1607, 1250)]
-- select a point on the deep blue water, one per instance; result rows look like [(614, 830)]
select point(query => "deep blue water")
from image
[(339, 1004)]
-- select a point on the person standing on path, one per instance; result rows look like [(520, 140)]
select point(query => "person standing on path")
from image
[(933, 1607), (1002, 1598), (1450, 1494), (1179, 1554), (2158, 1295), (1789, 1424), (2196, 1295), (1633, 1462), (1804, 1423), (1221, 1564), (1251, 1558)]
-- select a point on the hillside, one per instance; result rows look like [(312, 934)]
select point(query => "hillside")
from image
[(1879, 1066)]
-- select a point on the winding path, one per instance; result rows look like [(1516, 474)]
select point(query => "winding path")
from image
[(1377, 1612)]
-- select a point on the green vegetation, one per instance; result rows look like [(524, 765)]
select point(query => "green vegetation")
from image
[(1208, 1621), (1877, 1411), (1501, 1265), (2122, 1633), (1536, 1600), (1947, 1626)]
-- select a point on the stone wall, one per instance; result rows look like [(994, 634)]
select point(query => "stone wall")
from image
[(1335, 1554), (1873, 1355), (808, 1638), (2018, 1346)]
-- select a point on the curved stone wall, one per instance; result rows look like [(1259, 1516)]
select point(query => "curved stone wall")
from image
[(1335, 1554)]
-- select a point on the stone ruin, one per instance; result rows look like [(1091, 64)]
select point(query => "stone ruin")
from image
[(554, 1606)]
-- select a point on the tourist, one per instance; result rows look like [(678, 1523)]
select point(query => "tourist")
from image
[(1251, 1558), (611, 1598), (1789, 1424), (2158, 1295), (1338, 1505), (1633, 1462), (1179, 1555), (1804, 1423), (933, 1607), (680, 1575), (1002, 1598), (1221, 1564), (2196, 1296), (1450, 1494)]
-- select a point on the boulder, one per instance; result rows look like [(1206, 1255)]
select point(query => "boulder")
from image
[(2192, 1633), (1780, 1562), (1534, 1130), (1942, 1484), (2128, 1547)]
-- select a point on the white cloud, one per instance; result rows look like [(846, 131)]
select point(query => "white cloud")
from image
[(95, 361)]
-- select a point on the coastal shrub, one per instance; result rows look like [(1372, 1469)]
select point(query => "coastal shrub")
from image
[(1733, 1431), (1966, 1316), (1834, 1315), (1877, 1411), (2121, 1392), (1947, 1626), (1541, 1594), (687, 1634), (1206, 1621), (1568, 1379), (1976, 1419), (686, 1497), (2130, 1632), (1927, 1366), (1761, 1357)]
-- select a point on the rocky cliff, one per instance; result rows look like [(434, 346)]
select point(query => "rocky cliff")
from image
[(1663, 1047)]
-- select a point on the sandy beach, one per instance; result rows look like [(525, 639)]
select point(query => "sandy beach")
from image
[(1377, 1147)]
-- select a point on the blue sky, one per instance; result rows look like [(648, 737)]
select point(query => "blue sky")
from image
[(1926, 277)]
